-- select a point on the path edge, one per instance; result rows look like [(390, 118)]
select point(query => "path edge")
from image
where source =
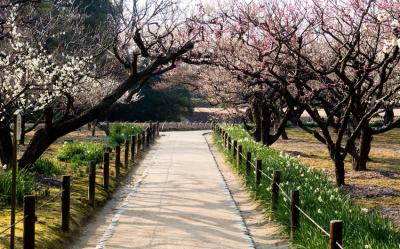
[(234, 205)]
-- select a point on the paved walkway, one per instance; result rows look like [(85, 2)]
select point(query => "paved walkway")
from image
[(181, 202)]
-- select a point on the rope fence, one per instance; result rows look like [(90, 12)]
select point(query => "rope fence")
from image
[(336, 226), (13, 225)]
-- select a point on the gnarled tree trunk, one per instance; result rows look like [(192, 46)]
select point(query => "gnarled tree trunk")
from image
[(360, 154)]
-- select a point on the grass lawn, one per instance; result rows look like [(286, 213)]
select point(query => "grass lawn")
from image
[(377, 188)]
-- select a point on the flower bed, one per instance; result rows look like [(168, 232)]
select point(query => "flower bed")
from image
[(318, 198)]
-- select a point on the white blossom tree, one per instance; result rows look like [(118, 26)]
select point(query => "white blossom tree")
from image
[(148, 39)]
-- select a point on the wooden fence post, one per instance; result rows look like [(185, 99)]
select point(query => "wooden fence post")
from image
[(225, 140), (117, 160), (148, 137), (139, 143), (248, 165), (65, 203), (126, 153), (13, 182), (106, 170), (158, 129), (29, 222), (229, 143), (239, 155), (336, 234), (295, 213), (258, 172), (234, 151), (152, 132), (143, 140), (154, 135), (276, 180), (133, 148), (92, 183)]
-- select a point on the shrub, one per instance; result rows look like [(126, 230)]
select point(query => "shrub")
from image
[(45, 167), (119, 132), (319, 198), (376, 123), (81, 153), (310, 124), (25, 186)]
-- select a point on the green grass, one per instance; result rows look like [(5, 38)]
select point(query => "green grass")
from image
[(120, 132), (25, 186), (81, 153), (46, 167), (319, 199)]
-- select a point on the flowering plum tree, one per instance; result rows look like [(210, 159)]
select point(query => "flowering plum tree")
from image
[(337, 56), (231, 42), (148, 38), (346, 62)]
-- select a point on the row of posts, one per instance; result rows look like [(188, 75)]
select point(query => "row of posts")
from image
[(336, 226), (132, 149)]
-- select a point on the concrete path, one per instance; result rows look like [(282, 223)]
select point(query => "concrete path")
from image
[(181, 202)]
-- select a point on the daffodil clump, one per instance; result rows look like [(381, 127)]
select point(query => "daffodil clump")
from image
[(81, 153), (319, 198)]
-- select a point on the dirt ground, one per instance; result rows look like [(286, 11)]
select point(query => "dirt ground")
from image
[(378, 188)]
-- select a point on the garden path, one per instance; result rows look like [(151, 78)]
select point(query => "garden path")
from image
[(181, 200)]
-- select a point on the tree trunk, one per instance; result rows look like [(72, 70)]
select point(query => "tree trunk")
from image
[(361, 155), (339, 172), (256, 112), (389, 115), (44, 137), (265, 124), (284, 135), (5, 145)]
